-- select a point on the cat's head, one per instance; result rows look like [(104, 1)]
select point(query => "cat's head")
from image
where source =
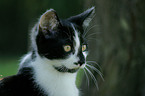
[(62, 42)]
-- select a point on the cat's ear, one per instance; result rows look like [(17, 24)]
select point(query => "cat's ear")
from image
[(84, 18), (49, 21)]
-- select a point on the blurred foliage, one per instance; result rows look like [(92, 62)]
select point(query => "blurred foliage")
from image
[(8, 66)]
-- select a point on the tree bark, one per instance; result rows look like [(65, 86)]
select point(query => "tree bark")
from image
[(120, 49)]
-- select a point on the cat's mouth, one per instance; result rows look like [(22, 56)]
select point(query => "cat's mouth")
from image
[(65, 69)]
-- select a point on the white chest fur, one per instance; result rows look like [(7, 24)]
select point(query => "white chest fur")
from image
[(53, 82)]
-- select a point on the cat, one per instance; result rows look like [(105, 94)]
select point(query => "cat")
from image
[(58, 50)]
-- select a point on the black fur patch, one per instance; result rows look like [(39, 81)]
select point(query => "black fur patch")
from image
[(65, 69), (20, 85), (51, 45)]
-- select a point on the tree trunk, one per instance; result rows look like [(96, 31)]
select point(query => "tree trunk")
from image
[(120, 49)]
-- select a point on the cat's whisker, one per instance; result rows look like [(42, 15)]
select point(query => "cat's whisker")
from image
[(93, 77), (92, 34), (60, 68), (95, 69), (85, 33), (86, 76), (95, 65), (90, 21), (93, 39), (66, 69), (93, 62)]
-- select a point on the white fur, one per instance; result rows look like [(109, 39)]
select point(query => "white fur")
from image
[(76, 38), (34, 33), (27, 56), (77, 42), (56, 83), (53, 82), (85, 55)]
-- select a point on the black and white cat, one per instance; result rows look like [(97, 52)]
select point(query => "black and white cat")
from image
[(59, 50)]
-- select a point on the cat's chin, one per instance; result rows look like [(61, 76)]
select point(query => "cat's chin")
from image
[(64, 69)]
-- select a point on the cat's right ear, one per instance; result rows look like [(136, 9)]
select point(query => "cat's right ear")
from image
[(84, 18), (49, 21)]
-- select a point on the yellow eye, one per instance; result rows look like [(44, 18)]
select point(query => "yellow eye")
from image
[(84, 47), (67, 48)]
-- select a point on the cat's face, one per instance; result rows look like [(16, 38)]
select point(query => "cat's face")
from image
[(62, 42)]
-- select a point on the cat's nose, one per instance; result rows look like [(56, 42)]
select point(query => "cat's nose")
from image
[(80, 63)]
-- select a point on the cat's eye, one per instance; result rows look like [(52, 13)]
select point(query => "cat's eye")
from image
[(84, 47), (67, 48)]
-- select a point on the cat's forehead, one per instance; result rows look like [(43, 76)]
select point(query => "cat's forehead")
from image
[(70, 31), (69, 26)]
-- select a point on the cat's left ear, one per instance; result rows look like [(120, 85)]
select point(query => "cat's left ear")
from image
[(49, 21), (84, 18)]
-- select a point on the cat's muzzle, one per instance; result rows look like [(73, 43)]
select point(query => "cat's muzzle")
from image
[(79, 63)]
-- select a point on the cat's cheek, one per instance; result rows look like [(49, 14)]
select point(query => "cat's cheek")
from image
[(69, 62)]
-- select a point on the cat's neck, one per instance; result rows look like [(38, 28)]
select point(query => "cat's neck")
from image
[(51, 81)]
